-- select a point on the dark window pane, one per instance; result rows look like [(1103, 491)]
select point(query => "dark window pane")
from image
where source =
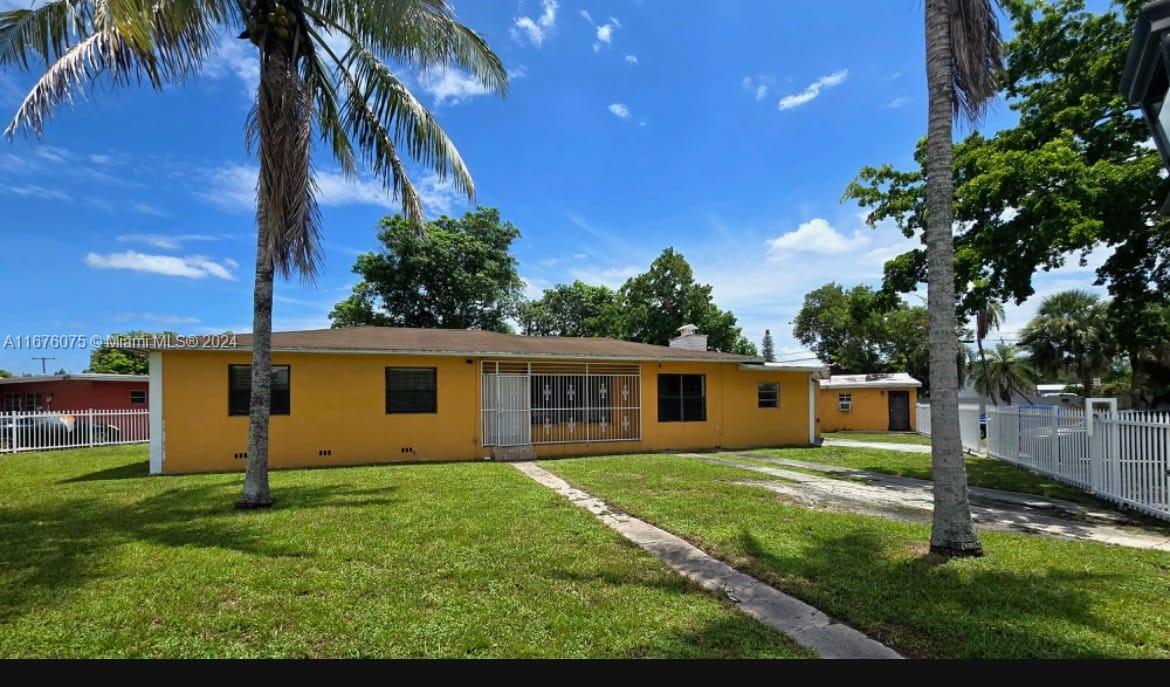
[(669, 410), (692, 385), (411, 390), (669, 384), (694, 409), (240, 390)]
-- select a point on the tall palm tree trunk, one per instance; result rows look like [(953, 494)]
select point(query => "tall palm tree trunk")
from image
[(952, 532), (276, 113), (256, 493)]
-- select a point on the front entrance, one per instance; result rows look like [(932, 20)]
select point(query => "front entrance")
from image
[(899, 410)]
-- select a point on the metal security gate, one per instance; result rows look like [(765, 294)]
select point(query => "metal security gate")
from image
[(560, 403)]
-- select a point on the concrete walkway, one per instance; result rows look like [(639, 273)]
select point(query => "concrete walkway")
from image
[(804, 624), (903, 498), (881, 445)]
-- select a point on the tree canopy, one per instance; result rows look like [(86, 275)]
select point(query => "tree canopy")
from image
[(863, 330), (1077, 173), (576, 309), (455, 274), (119, 361), (769, 347)]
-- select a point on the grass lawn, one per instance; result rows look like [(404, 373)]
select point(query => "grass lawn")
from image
[(881, 437), (981, 472), (1028, 597), (97, 559)]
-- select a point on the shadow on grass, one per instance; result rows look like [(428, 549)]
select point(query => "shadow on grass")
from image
[(127, 471), (48, 550), (732, 636), (927, 606)]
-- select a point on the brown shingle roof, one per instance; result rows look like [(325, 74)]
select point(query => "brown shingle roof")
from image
[(479, 343)]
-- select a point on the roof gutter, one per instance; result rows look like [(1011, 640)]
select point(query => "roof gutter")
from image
[(455, 354)]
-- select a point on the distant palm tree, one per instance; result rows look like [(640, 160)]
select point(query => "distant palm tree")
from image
[(323, 65), (963, 62), (1070, 335), (1005, 372)]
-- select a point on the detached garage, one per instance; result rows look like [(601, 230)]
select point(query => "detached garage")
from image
[(879, 402)]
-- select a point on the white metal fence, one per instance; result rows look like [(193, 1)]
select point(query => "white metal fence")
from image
[(41, 430), (1120, 456), (968, 424)]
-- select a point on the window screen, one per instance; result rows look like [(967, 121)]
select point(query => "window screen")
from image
[(682, 398), (768, 395), (240, 389), (411, 390)]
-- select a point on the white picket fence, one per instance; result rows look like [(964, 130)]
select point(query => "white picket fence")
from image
[(968, 424), (1119, 456), (42, 430)]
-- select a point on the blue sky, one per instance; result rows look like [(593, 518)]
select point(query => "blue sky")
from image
[(725, 129)]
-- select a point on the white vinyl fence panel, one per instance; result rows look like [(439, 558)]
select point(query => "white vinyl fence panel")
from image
[(41, 430), (1120, 456), (968, 424)]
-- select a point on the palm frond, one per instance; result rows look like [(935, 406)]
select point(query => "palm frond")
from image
[(421, 33), (45, 31), (976, 56)]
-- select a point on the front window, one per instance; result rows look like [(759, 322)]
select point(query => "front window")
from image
[(11, 403), (768, 395), (32, 401), (844, 402), (137, 398), (240, 390), (682, 398), (411, 390)]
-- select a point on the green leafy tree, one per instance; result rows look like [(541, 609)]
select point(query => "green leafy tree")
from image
[(1070, 336), (456, 274), (5, 374), (123, 361), (576, 309), (656, 303), (769, 348), (323, 65), (1003, 372), (1077, 172)]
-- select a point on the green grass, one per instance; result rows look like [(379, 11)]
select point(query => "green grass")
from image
[(1028, 597), (881, 437), (981, 472), (97, 559)]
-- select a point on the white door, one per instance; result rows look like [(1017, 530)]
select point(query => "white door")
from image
[(513, 410)]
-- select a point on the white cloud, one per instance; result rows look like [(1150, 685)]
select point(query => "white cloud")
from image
[(632, 59), (605, 33), (814, 89), (815, 236), (165, 241), (99, 159), (897, 102), (757, 85), (40, 192), (586, 16), (620, 111), (536, 30), (449, 85), (151, 317), (613, 277), (190, 267), (234, 57)]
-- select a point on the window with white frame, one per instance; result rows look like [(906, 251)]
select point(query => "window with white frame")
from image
[(768, 395), (844, 402)]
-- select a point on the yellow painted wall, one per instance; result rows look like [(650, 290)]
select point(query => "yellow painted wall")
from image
[(871, 410), (338, 404)]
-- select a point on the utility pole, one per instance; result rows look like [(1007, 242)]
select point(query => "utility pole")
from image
[(43, 359)]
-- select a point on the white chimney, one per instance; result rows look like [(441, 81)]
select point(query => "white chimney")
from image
[(689, 338)]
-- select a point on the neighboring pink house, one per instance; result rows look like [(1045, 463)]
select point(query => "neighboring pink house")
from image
[(86, 391)]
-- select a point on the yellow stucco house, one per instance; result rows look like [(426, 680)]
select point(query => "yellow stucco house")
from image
[(881, 402), (379, 395)]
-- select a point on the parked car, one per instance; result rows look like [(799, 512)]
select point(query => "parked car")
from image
[(49, 431)]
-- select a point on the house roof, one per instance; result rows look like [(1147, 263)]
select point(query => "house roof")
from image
[(809, 365), (880, 380), (469, 342), (81, 377)]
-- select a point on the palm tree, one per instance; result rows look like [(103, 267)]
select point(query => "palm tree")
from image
[(1004, 372), (355, 101), (989, 316), (1070, 335), (963, 61)]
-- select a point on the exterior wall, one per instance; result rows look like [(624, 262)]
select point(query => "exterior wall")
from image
[(338, 404), (871, 410), (82, 394)]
